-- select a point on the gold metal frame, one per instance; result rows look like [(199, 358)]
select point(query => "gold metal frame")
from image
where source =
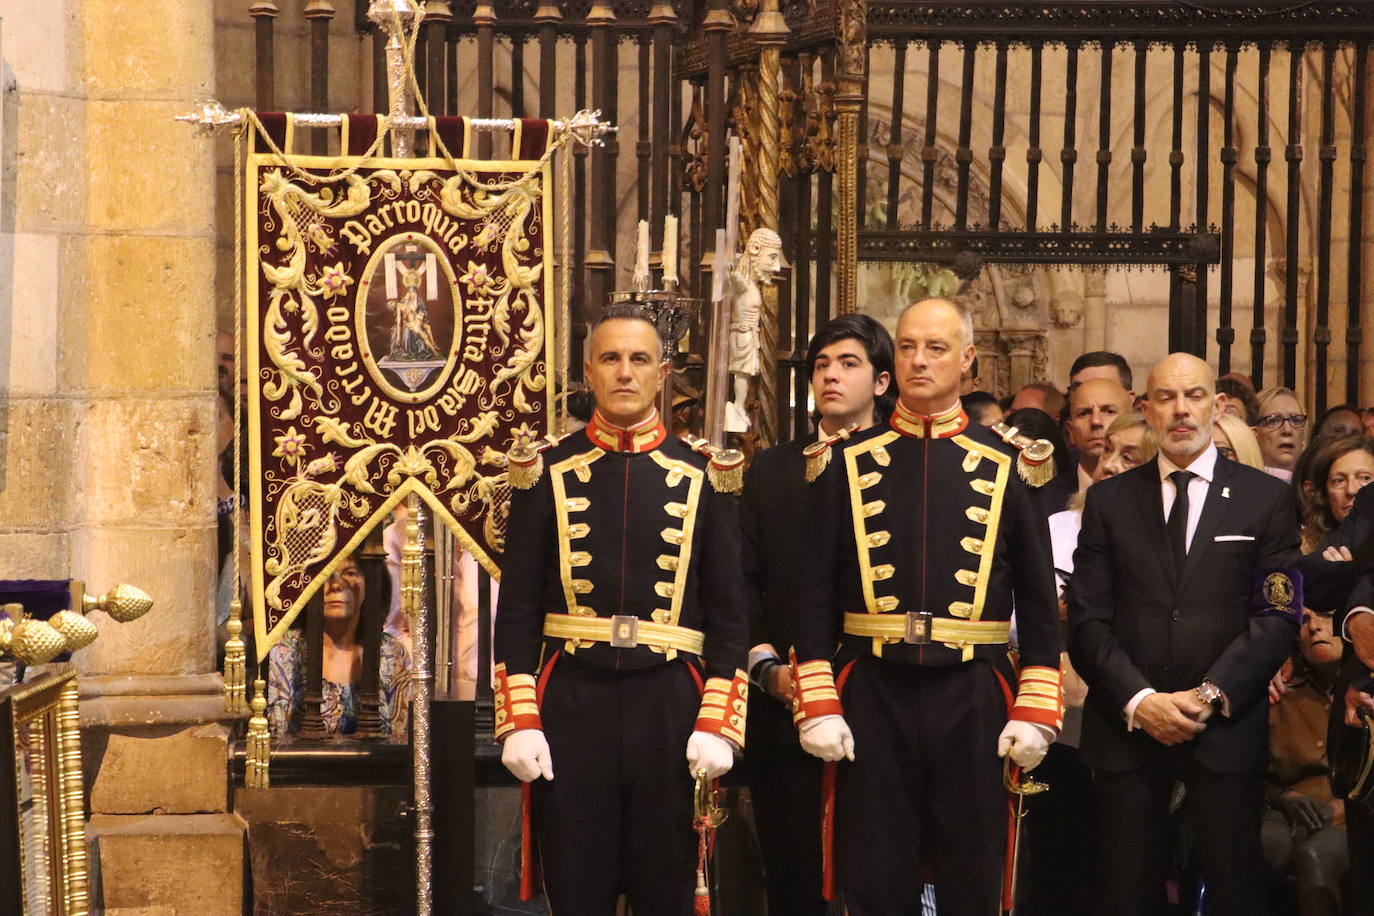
[(41, 792)]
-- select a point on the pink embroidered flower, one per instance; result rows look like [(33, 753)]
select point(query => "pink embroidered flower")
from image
[(290, 445), (334, 281), (477, 280)]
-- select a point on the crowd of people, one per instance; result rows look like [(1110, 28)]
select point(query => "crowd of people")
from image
[(1325, 463)]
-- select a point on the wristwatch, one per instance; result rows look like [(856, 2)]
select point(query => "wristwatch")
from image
[(1210, 694)]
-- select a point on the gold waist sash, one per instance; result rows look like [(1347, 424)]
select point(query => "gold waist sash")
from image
[(931, 630), (625, 632)]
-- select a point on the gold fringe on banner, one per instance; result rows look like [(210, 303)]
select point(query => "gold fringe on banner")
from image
[(235, 663), (256, 775)]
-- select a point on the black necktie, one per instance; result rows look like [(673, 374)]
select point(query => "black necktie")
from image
[(1177, 525)]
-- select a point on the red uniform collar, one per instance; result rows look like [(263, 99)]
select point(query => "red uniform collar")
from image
[(645, 436), (940, 426)]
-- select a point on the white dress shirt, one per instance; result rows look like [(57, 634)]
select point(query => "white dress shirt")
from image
[(1204, 466)]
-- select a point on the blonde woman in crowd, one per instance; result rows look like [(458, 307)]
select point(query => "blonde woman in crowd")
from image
[(1237, 441), (1281, 431)]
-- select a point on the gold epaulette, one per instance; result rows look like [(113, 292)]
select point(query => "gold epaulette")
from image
[(1035, 464), (525, 463), (817, 454), (726, 467)]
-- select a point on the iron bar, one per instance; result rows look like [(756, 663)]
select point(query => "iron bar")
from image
[(1034, 154), (894, 141), (1326, 154), (548, 18), (581, 308), (1354, 286), (929, 153), (997, 153), (662, 17), (1068, 155), (1138, 151), (1198, 331), (517, 76), (643, 148), (717, 25), (1293, 154), (1104, 135), (437, 18), (379, 76), (452, 44), (1226, 334), (861, 166), (1263, 155), (485, 20), (320, 13), (264, 13), (600, 261), (963, 155), (1176, 151), (825, 212)]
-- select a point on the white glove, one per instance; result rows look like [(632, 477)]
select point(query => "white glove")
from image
[(1025, 742), (526, 754), (828, 738), (710, 752)]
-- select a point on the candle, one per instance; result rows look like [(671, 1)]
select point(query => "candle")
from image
[(641, 273), (669, 249)]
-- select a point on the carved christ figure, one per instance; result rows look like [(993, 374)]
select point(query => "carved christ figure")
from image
[(756, 267), (411, 337)]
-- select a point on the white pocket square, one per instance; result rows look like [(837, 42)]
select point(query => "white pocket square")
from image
[(1233, 537)]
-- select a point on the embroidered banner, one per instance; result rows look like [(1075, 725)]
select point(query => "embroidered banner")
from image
[(399, 330)]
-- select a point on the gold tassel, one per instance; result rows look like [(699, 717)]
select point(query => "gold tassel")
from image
[(256, 775), (1037, 474), (524, 466), (817, 459), (235, 664), (726, 471)]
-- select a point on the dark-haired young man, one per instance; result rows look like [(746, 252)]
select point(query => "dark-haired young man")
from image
[(850, 365)]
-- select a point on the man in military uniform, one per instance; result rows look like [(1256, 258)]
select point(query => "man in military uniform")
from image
[(620, 639), (924, 535), (849, 362)]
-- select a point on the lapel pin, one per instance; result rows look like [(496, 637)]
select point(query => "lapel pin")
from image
[(1225, 492)]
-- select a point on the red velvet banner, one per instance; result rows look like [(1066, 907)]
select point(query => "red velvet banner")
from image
[(399, 328)]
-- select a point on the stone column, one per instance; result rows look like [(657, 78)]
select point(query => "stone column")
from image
[(1094, 310), (110, 454)]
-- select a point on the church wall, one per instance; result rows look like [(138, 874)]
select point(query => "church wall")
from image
[(107, 337)]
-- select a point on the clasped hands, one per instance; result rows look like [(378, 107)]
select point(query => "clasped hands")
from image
[(1173, 718), (526, 754)]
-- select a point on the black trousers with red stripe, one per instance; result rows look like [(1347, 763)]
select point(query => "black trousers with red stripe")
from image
[(923, 799), (617, 816)]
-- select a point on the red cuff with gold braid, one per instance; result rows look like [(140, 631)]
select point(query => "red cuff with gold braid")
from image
[(724, 707), (514, 702), (1040, 697), (814, 693)]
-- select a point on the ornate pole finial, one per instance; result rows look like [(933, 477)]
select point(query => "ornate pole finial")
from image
[(394, 17)]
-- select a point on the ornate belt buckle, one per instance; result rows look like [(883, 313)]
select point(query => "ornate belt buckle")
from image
[(918, 626), (624, 631)]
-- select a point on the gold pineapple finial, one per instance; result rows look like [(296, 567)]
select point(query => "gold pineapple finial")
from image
[(123, 602)]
